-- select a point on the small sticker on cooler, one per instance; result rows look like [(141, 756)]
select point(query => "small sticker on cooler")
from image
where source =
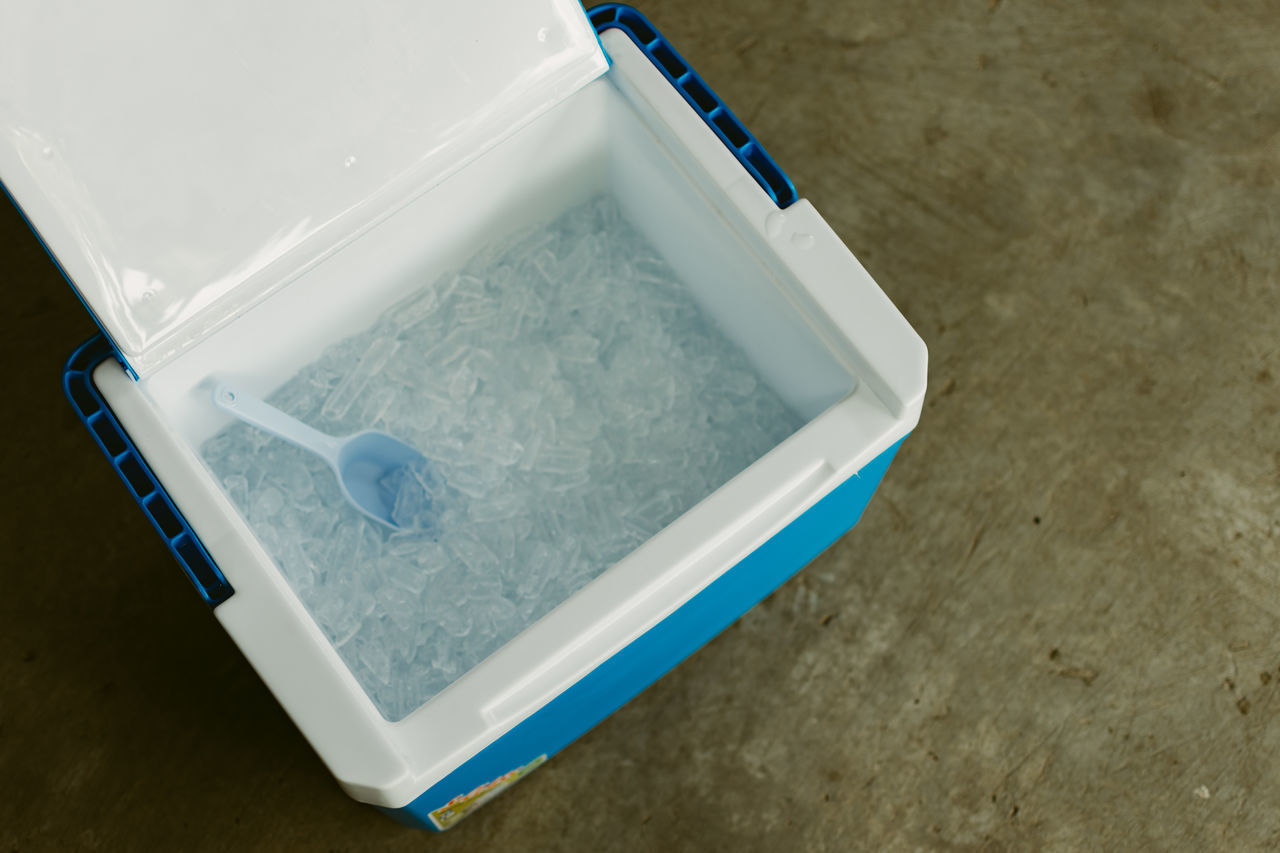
[(464, 804)]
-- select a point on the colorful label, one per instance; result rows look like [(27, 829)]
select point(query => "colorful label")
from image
[(464, 804)]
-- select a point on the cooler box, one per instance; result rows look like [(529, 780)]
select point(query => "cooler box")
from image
[(650, 383)]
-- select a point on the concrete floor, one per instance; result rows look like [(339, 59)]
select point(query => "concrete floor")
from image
[(1055, 627)]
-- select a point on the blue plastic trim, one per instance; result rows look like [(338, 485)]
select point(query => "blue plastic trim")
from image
[(699, 95), (101, 329), (77, 382), (612, 684)]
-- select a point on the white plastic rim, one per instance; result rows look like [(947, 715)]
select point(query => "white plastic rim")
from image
[(804, 310)]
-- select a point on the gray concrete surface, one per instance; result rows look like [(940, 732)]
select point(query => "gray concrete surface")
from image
[(1055, 627)]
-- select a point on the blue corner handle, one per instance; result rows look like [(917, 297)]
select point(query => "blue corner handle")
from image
[(698, 94), (77, 382)]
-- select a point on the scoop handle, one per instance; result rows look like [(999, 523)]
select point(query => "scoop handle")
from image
[(265, 416)]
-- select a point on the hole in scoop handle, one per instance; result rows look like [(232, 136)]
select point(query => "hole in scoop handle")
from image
[(267, 417)]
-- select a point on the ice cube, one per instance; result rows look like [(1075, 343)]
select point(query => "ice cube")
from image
[(496, 448), (454, 622), (237, 486), (399, 605), (371, 363), (416, 491), (415, 309), (562, 460), (475, 311), (375, 657), (577, 347), (265, 504), (475, 481)]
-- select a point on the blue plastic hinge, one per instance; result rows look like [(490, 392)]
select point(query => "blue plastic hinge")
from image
[(138, 477), (706, 103)]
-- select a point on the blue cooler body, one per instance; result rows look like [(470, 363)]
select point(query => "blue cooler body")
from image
[(588, 102)]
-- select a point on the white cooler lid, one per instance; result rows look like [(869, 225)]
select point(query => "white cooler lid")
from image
[(183, 158)]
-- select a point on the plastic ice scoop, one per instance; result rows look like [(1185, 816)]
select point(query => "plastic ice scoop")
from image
[(380, 475)]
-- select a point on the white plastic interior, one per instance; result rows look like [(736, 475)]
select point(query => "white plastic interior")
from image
[(781, 284), (183, 159), (593, 143)]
